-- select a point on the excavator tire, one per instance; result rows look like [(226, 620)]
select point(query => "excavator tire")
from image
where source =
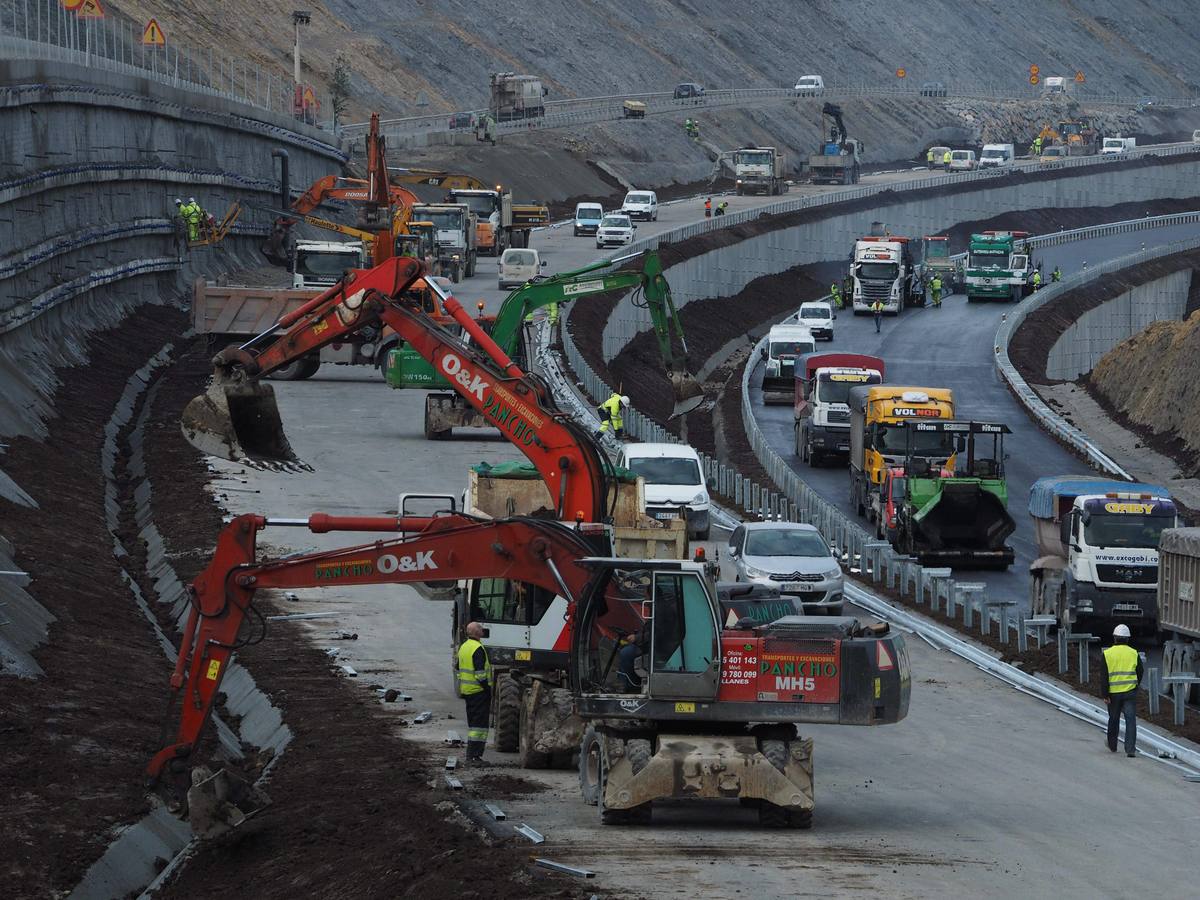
[(589, 767), (508, 715)]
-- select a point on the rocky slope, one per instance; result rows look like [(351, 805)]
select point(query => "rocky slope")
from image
[(1150, 381)]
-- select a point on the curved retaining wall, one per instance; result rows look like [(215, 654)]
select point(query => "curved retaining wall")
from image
[(724, 271), (90, 164)]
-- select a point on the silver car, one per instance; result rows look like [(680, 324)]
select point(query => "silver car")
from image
[(791, 557)]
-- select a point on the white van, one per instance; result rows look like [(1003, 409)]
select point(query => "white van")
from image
[(587, 218), (817, 316), (641, 205), (675, 484), (519, 265), (1196, 136), (962, 160), (995, 156), (1055, 84), (1117, 145), (785, 344), (810, 85)]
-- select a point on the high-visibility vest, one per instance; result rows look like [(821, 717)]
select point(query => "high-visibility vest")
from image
[(936, 284), (946, 157), (929, 155), (470, 679), (877, 307), (612, 409), (1122, 661)]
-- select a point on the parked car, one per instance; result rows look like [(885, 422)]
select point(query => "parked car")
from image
[(962, 160), (614, 230), (792, 557), (933, 89), (675, 484), (462, 120), (1196, 136), (1053, 154), (818, 316), (519, 265), (641, 205), (810, 86), (688, 89), (587, 218)]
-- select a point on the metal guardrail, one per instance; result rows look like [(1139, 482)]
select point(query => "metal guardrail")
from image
[(1051, 421), (586, 110)]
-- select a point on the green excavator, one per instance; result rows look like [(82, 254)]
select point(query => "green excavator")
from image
[(446, 410)]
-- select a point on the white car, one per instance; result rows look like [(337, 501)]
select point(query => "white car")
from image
[(818, 316), (641, 205), (791, 557), (675, 485), (962, 160), (810, 85), (614, 231), (587, 218)]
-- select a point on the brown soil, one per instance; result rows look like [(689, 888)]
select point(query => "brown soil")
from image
[(74, 743), (505, 787), (1031, 345)]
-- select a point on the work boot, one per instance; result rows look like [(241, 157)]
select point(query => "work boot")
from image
[(1131, 754)]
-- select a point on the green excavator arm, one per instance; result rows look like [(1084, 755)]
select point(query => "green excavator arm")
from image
[(653, 292)]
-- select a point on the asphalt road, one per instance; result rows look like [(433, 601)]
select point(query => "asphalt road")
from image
[(953, 347)]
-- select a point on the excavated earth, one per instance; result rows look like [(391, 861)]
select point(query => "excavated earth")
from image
[(353, 813)]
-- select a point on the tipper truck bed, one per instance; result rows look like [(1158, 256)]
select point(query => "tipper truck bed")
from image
[(1179, 600)]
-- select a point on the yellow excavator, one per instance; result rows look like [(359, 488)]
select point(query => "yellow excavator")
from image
[(451, 181)]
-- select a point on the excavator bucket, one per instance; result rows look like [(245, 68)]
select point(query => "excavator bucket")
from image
[(688, 393), (237, 419), (218, 805)]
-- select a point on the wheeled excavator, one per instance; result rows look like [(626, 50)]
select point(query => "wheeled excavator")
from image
[(714, 713), (445, 411)]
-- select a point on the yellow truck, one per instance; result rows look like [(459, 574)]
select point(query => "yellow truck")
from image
[(879, 438)]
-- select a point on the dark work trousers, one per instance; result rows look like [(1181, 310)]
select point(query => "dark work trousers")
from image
[(479, 708), (1118, 705)]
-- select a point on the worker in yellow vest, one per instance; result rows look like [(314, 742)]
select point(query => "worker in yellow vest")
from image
[(929, 158), (611, 414), (475, 687), (1120, 675), (946, 160)]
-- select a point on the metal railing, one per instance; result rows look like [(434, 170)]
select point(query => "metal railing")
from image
[(587, 110), (43, 29)]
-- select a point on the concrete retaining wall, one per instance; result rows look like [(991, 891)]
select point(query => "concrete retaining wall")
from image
[(725, 271), (1098, 330), (90, 164)]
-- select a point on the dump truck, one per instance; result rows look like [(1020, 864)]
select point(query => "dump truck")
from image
[(885, 269), (953, 516), (879, 437), (516, 96), (1179, 600), (822, 392), (838, 160), (500, 223), (454, 237), (1097, 545), (759, 170), (998, 266), (935, 253), (532, 707)]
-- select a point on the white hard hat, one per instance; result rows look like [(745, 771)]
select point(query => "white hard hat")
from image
[(1121, 631), (191, 199), (624, 401), (178, 202)]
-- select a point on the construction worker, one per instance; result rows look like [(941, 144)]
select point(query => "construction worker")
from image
[(946, 160), (708, 208), (611, 414), (1120, 675), (632, 646), (835, 291), (192, 215), (721, 207), (1037, 146), (1037, 279), (877, 312), (935, 290), (1056, 275), (929, 158), (475, 686)]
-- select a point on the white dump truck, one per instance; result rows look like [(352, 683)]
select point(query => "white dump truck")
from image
[(1097, 544), (758, 170), (1179, 600)]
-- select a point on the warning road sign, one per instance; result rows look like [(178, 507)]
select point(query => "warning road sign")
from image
[(900, 73), (1033, 79), (153, 36), (90, 9), (1034, 70), (1079, 77)]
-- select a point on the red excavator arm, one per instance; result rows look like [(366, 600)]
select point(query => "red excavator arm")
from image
[(447, 547), (237, 418)]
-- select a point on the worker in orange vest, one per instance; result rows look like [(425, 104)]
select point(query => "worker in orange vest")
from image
[(708, 208)]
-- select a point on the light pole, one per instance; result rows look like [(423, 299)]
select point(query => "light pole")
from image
[(299, 17)]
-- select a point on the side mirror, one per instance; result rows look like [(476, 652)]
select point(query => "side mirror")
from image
[(634, 227), (1076, 547), (762, 353), (835, 315), (733, 552), (712, 484), (543, 263)]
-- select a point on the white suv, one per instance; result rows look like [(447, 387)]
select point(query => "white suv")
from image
[(614, 231), (641, 205), (675, 484)]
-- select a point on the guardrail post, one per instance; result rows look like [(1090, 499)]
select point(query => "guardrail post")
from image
[(1180, 692), (1154, 688), (1063, 665), (1022, 634)]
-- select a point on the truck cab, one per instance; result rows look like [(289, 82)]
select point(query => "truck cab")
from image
[(822, 410), (318, 265), (1100, 538), (758, 170), (883, 269), (785, 344), (998, 267), (454, 236)]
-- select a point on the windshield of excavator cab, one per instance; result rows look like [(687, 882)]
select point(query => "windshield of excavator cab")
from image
[(615, 617), (510, 602), (834, 387), (893, 439), (754, 157), (876, 271), (326, 264), (481, 205)]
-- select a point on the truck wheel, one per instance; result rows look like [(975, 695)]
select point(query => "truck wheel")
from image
[(589, 767), (297, 370), (456, 273), (508, 714), (810, 455), (471, 265), (530, 758)]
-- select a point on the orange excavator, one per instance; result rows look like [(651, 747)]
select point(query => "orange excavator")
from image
[(384, 208), (706, 707)]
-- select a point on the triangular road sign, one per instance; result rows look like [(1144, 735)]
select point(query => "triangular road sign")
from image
[(90, 9), (153, 35)]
